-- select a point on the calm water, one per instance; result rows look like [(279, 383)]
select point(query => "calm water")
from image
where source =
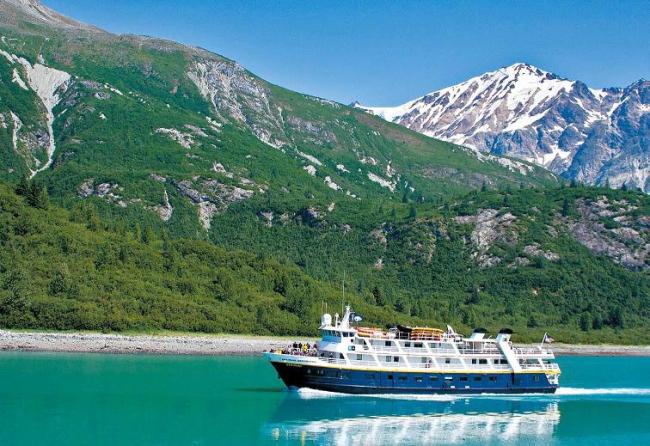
[(53, 399)]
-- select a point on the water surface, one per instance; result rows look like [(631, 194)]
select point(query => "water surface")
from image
[(67, 399)]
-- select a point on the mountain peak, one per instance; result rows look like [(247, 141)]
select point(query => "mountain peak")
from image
[(34, 11), (523, 111)]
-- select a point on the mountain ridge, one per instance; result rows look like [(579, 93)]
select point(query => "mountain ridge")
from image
[(163, 143), (584, 134)]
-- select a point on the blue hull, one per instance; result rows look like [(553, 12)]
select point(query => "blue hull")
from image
[(374, 382)]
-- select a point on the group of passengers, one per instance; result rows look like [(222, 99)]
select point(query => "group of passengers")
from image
[(300, 349)]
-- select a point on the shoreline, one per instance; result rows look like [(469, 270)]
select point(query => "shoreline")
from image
[(216, 345)]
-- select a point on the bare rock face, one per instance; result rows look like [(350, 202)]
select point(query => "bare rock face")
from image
[(87, 188), (628, 244), (535, 251), (267, 217), (595, 136), (236, 94), (379, 235), (211, 196), (489, 228), (158, 178), (165, 210), (186, 140), (313, 217), (108, 191), (315, 129)]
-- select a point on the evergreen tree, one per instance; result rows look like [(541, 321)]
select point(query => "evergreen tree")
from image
[(23, 186), (379, 298), (147, 235), (474, 296), (597, 322), (413, 212), (137, 232), (565, 207)]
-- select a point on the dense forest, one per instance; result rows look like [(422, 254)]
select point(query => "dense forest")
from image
[(67, 269)]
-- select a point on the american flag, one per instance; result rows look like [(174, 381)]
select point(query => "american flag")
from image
[(547, 339)]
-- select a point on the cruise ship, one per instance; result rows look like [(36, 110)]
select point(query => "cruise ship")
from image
[(414, 360)]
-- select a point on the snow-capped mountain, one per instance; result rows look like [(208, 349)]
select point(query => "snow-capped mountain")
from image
[(595, 136)]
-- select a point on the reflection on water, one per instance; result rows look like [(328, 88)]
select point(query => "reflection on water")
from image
[(388, 421)]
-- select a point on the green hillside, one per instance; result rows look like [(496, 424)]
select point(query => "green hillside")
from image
[(186, 193), (66, 270)]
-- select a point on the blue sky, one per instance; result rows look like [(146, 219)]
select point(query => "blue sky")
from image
[(387, 52)]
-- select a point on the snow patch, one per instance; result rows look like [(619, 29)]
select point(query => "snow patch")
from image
[(184, 139), (113, 89), (102, 116), (45, 82), (214, 125), (310, 158), (342, 168), (16, 128), (331, 184), (219, 168), (19, 80), (382, 181), (368, 160)]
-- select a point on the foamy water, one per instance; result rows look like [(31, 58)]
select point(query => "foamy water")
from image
[(307, 393)]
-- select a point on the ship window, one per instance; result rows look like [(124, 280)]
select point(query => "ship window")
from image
[(359, 357), (418, 379), (448, 378), (478, 378), (536, 378), (504, 361), (447, 361), (390, 377), (395, 358), (493, 378), (463, 378), (309, 371), (388, 343), (434, 377), (402, 378), (341, 356), (496, 361), (389, 358), (407, 344), (482, 361), (417, 345), (473, 361)]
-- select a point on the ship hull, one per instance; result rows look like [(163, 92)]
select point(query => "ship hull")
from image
[(376, 381)]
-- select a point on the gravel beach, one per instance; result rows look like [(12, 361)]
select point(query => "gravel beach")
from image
[(134, 344), (213, 344)]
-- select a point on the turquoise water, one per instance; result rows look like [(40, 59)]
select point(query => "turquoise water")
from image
[(57, 399)]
